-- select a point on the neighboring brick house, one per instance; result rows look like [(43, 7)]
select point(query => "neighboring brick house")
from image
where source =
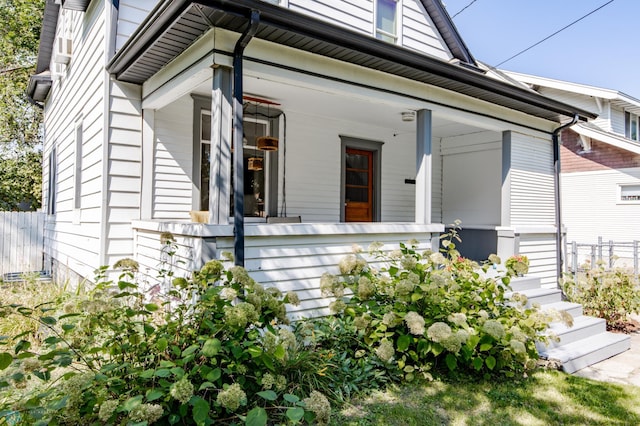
[(600, 160)]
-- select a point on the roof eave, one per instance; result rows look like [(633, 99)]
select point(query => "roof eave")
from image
[(168, 12)]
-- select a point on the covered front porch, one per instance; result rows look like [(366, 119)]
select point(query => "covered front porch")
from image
[(384, 146)]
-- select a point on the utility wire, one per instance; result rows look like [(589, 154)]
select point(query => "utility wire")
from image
[(548, 37), (464, 8)]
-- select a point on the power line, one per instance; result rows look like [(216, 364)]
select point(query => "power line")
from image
[(548, 37), (463, 9)]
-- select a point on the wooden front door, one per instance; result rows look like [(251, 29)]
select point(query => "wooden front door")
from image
[(358, 189)]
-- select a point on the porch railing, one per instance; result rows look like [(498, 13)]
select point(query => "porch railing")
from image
[(610, 254)]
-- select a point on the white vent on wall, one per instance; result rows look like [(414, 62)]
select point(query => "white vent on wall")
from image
[(62, 54)]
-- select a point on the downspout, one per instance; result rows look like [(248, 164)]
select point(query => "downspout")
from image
[(238, 131), (556, 183)]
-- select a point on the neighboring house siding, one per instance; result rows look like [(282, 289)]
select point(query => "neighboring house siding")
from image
[(73, 234), (173, 158), (590, 191), (590, 206), (124, 170), (617, 120), (130, 14), (471, 179), (602, 156), (532, 181)]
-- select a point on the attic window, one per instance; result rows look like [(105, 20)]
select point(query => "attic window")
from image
[(386, 20)]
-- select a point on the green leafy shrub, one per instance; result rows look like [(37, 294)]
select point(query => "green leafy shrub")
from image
[(609, 294), (217, 350), (422, 310)]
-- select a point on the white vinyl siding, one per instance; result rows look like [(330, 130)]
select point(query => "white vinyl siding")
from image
[(289, 257), (124, 169), (173, 161), (471, 179), (532, 181), (356, 15), (436, 181), (313, 168), (72, 235), (415, 30), (617, 120), (419, 33), (130, 14), (586, 219)]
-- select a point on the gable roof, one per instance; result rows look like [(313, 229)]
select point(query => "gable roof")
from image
[(175, 24), (621, 99)]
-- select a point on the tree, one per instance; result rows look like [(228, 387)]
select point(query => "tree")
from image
[(20, 120)]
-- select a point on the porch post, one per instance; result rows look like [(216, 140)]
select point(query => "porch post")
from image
[(220, 156), (423, 167)]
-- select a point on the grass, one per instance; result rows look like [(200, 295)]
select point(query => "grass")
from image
[(545, 398)]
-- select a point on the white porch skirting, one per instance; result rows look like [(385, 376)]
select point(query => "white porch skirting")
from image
[(286, 256)]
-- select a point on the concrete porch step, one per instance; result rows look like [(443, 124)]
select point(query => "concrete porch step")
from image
[(582, 353)]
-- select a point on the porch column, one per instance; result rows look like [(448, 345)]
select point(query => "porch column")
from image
[(423, 167), (220, 158), (505, 199)]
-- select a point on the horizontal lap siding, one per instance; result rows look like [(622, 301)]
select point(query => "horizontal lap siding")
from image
[(173, 158), (355, 15), (289, 263), (541, 251), (419, 32), (532, 182), (73, 236), (590, 207), (313, 167), (296, 263), (130, 14), (124, 169)]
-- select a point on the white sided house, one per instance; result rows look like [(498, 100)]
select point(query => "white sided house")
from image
[(284, 132), (600, 179)]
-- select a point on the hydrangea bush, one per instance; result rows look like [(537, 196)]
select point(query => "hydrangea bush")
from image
[(423, 310), (610, 294), (217, 350)]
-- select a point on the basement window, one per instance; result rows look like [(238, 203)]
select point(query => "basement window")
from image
[(629, 193)]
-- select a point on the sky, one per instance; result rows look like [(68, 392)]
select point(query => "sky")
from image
[(601, 50)]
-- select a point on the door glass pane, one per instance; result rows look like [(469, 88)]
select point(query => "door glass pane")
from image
[(357, 178), (355, 194), (357, 161)]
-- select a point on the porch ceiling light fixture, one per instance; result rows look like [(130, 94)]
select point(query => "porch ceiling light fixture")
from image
[(408, 115)]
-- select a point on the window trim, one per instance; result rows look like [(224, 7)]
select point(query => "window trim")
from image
[(630, 120), (52, 183), (77, 171)]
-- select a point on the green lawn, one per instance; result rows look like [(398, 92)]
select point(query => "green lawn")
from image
[(546, 398)]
